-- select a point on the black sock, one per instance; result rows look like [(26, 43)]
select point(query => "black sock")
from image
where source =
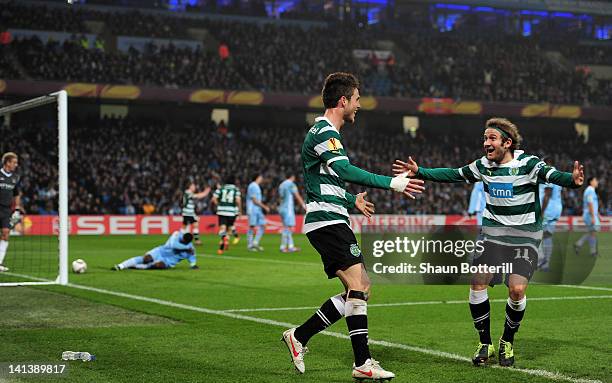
[(357, 323), (481, 314), (235, 234), (515, 310), (327, 315), (222, 242), (196, 236)]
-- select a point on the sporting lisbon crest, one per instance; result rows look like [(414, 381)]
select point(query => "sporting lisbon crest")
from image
[(355, 251), (514, 171)]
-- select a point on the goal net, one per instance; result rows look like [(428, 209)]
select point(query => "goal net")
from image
[(35, 130)]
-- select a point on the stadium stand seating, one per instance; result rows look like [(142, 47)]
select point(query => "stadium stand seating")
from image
[(294, 58)]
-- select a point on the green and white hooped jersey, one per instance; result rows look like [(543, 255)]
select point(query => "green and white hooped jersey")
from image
[(227, 197), (326, 197), (188, 205), (513, 214)]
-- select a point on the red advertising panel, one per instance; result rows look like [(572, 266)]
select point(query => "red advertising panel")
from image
[(163, 224)]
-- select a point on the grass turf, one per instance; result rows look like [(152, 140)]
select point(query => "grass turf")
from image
[(137, 341)]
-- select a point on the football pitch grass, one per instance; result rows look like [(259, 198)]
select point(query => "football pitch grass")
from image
[(223, 323)]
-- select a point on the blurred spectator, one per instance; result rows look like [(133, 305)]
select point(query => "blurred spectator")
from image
[(223, 51), (5, 38), (148, 208)]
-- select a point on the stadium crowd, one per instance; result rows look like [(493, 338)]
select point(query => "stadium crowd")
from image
[(130, 23), (127, 166), (266, 57), (166, 66), (481, 69)]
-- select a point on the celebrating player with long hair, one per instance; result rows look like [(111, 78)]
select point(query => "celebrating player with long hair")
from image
[(511, 223)]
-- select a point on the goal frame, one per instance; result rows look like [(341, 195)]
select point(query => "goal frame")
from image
[(61, 98)]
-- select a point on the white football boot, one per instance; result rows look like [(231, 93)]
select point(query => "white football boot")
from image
[(296, 350), (372, 371)]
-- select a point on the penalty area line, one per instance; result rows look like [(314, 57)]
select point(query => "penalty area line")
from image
[(586, 287), (441, 354), (419, 303), (263, 260)]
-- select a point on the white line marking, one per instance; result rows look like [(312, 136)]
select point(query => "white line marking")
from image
[(235, 258), (39, 281), (542, 373), (318, 264), (418, 303), (586, 287)]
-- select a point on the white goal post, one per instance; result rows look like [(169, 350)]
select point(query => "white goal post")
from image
[(61, 98)]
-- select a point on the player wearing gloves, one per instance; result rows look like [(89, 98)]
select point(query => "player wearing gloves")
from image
[(326, 169), (9, 196), (178, 247)]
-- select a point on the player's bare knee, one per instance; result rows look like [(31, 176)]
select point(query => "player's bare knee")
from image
[(517, 292), (358, 285), (481, 281)]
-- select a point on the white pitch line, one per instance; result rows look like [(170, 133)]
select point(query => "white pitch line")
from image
[(418, 303), (317, 264), (586, 287), (542, 373), (264, 260)]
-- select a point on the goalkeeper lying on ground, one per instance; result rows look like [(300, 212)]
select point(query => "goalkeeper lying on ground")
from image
[(177, 248)]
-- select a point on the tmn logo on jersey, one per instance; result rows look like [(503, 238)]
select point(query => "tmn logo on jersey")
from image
[(501, 190), (334, 144)]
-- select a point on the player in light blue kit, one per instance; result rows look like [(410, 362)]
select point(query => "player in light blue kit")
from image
[(590, 215), (255, 211), (288, 191), (477, 202), (178, 247), (552, 206)]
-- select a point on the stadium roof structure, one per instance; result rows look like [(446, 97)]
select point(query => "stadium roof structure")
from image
[(593, 7)]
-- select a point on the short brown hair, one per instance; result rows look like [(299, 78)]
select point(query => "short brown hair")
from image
[(8, 157), (337, 85), (507, 127)]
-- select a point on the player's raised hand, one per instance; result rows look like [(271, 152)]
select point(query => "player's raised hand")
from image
[(415, 186), (410, 168), (578, 173), (401, 183), (365, 207)]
